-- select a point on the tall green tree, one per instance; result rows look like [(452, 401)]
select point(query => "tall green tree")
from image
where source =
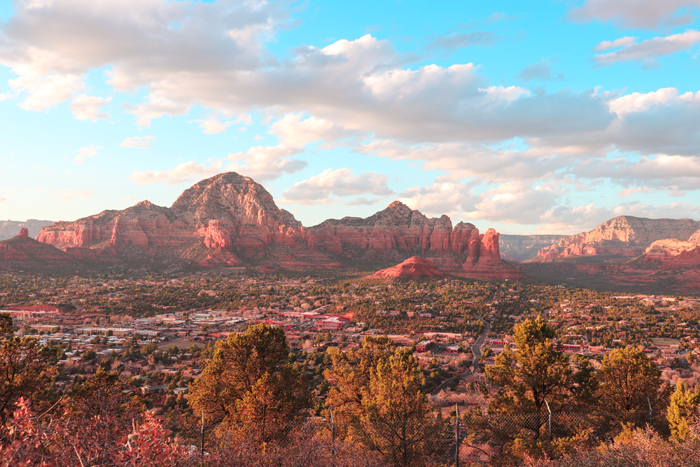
[(25, 371), (536, 372), (683, 406), (250, 387), (350, 373), (396, 419), (627, 378)]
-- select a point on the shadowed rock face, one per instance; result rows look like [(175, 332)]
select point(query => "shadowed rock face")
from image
[(230, 219), (24, 252), (624, 236)]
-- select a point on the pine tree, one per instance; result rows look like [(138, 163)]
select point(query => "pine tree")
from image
[(250, 387), (627, 378), (536, 373), (683, 406)]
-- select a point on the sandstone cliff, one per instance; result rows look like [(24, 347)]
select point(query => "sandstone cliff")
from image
[(623, 236), (232, 220)]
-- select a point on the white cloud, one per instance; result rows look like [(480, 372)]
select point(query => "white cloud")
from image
[(647, 14), (294, 132), (143, 142), (340, 183), (187, 172), (263, 163), (448, 198), (607, 45), (84, 153), (88, 107), (67, 195), (213, 124), (2, 200), (647, 50), (46, 91)]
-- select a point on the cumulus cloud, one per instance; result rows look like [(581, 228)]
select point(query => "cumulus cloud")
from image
[(187, 172), (648, 50), (463, 39), (440, 198), (84, 153), (46, 91), (143, 142), (264, 163), (88, 107), (70, 194), (339, 183), (648, 14), (607, 45)]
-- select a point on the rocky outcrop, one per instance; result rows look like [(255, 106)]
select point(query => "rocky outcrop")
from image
[(9, 229), (524, 247), (232, 220), (413, 268), (623, 236), (24, 253)]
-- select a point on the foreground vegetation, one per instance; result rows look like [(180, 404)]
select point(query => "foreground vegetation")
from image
[(259, 408)]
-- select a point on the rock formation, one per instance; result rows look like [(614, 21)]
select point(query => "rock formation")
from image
[(232, 220), (413, 268), (623, 236), (524, 247), (24, 253), (9, 229)]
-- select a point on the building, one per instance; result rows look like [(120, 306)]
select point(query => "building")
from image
[(424, 346)]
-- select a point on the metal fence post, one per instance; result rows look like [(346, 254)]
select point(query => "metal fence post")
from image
[(651, 413), (202, 444), (550, 420), (332, 435), (456, 435)]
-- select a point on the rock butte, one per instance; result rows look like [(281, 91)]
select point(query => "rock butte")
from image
[(414, 268), (624, 236), (231, 220)]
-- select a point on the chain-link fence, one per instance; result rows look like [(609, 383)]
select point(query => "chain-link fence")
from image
[(472, 437)]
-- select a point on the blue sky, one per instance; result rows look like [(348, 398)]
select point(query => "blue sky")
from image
[(530, 117)]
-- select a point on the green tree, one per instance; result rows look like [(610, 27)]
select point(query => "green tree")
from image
[(537, 373), (25, 371), (627, 377), (349, 376), (396, 419), (683, 406), (250, 387)]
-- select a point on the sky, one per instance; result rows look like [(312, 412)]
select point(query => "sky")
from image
[(548, 116)]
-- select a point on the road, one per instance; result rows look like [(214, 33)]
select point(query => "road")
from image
[(476, 351)]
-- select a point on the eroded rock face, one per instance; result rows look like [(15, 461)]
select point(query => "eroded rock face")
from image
[(625, 236), (23, 232), (415, 267), (8, 229), (232, 220)]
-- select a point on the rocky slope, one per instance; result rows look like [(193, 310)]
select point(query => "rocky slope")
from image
[(524, 247), (413, 268), (9, 229), (232, 220), (24, 253), (623, 236)]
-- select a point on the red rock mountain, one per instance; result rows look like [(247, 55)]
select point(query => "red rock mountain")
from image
[(22, 252), (230, 219), (413, 268), (623, 236)]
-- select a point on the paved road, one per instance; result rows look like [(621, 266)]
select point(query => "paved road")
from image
[(476, 351), (479, 344)]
